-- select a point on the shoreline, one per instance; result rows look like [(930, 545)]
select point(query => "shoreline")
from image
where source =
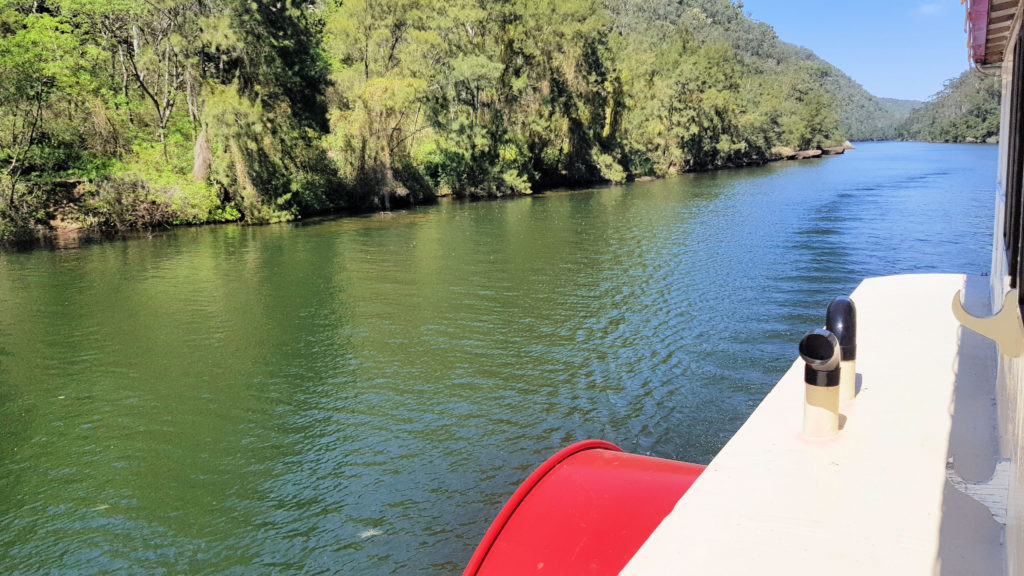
[(73, 237)]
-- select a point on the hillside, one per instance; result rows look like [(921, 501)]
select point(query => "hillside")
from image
[(965, 110), (862, 116), (901, 108), (121, 115)]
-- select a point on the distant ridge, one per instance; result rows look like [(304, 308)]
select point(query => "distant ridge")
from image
[(862, 115), (965, 110)]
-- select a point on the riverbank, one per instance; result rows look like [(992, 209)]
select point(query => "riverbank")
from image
[(968, 140), (329, 119), (81, 213)]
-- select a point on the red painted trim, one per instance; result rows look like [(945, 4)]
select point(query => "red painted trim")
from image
[(585, 512), (520, 494), (977, 20)]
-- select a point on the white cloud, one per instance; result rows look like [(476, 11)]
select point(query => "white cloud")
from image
[(929, 9)]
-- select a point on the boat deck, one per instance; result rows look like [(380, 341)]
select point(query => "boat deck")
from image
[(878, 498)]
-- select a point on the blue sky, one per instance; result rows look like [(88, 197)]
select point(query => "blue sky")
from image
[(894, 48)]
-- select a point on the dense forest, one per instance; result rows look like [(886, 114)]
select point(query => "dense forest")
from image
[(862, 115), (965, 110), (116, 114)]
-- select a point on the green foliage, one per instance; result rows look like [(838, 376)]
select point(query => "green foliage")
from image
[(862, 116), (173, 111), (120, 114), (710, 88), (965, 110), (121, 203), (144, 178), (377, 99), (265, 111), (37, 59)]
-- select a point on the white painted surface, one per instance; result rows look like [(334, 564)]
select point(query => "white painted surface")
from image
[(1010, 382), (868, 501)]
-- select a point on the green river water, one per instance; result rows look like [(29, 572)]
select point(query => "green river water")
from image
[(360, 395)]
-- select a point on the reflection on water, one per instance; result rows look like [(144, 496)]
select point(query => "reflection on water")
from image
[(359, 396)]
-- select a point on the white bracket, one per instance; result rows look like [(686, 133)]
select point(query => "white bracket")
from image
[(1005, 328)]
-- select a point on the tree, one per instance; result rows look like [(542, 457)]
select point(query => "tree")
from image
[(264, 109), (967, 107), (37, 60), (380, 52)]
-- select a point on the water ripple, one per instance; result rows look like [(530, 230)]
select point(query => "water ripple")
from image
[(360, 396)]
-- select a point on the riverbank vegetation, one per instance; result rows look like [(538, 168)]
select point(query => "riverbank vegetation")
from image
[(117, 114), (965, 110)]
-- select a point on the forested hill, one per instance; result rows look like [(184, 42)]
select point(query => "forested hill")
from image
[(118, 114), (862, 116), (901, 108), (965, 110)]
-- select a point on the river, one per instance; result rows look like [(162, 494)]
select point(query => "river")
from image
[(360, 395)]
